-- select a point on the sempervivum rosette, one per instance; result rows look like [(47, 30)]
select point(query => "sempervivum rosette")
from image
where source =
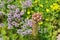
[(37, 17)]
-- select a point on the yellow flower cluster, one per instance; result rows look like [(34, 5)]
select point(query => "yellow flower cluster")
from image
[(55, 6), (28, 12), (40, 23), (35, 1)]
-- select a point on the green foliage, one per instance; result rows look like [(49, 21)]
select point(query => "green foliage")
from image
[(51, 19)]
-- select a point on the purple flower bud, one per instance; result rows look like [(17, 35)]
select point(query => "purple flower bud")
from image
[(17, 10), (22, 12), (17, 16), (27, 3), (9, 26), (11, 12), (30, 23), (24, 26), (9, 19), (11, 6), (29, 31)]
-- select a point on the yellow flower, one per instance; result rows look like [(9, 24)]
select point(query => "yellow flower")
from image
[(41, 5), (55, 6), (28, 12), (51, 6), (35, 1), (47, 10), (47, 19), (40, 23)]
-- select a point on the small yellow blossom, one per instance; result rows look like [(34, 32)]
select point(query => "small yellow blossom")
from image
[(55, 6), (35, 1), (47, 19), (51, 6), (40, 23), (47, 10), (28, 12), (41, 5)]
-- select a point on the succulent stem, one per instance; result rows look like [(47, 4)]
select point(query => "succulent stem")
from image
[(34, 31)]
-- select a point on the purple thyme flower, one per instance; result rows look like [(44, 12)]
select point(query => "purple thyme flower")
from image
[(11, 6), (26, 32), (9, 19), (9, 16), (29, 31), (26, 3), (19, 31), (17, 16), (22, 12), (23, 33), (9, 26), (30, 23), (11, 13), (15, 24), (17, 10), (24, 26)]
